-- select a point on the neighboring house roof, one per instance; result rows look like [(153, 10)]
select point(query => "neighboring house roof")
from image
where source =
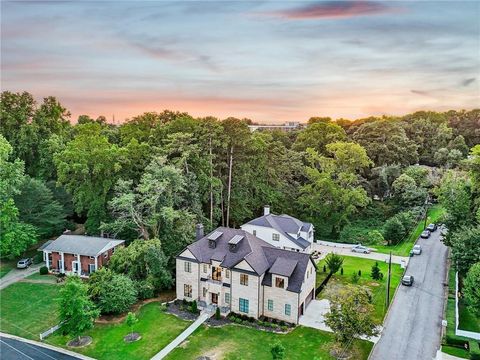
[(82, 245), (44, 245), (260, 255), (286, 225)]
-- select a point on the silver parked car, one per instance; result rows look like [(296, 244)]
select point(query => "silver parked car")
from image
[(417, 250), (425, 234), (407, 280), (24, 263), (360, 249)]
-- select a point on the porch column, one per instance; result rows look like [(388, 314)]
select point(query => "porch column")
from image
[(62, 269), (96, 263), (47, 263), (79, 271)]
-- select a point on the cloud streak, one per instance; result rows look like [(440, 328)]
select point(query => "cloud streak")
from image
[(334, 9)]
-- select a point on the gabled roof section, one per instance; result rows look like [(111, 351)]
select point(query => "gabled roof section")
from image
[(286, 225), (295, 279), (82, 245), (250, 249), (283, 266)]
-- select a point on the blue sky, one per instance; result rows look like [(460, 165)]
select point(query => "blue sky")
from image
[(268, 61)]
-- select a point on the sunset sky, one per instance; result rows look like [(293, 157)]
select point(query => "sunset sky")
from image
[(268, 61)]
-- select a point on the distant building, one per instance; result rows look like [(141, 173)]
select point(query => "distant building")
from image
[(78, 254), (288, 126), (236, 271), (282, 231)]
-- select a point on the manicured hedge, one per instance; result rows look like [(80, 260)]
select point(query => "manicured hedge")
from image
[(474, 350)]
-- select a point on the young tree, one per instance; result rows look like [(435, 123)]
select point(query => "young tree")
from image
[(471, 289), (278, 351), (376, 274), (77, 311), (351, 314), (334, 262), (393, 230), (130, 321)]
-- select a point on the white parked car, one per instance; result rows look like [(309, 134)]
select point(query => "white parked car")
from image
[(417, 250), (360, 249)]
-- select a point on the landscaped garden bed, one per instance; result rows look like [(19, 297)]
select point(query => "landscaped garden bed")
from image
[(362, 268), (157, 329), (186, 310)]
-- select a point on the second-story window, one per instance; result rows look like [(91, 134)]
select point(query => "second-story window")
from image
[(276, 237), (227, 274), (279, 282), (216, 273), (244, 279), (205, 268), (188, 266)]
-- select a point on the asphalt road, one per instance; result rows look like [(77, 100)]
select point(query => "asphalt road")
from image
[(11, 349), (412, 329)]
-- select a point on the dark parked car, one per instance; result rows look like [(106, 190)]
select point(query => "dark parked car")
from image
[(24, 263), (432, 227), (425, 234), (407, 280)]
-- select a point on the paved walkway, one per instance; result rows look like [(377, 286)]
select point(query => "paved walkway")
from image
[(15, 275), (325, 247), (180, 338), (314, 317), (443, 356)]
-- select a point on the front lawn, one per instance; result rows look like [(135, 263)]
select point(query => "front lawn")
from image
[(377, 287), (28, 309), (42, 278), (156, 327), (234, 342), (403, 249)]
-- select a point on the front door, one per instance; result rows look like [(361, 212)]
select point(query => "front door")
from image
[(214, 298), (75, 266)]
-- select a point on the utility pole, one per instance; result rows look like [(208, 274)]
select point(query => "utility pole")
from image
[(426, 213), (387, 299)]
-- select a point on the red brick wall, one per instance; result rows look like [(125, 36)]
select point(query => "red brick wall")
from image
[(84, 260)]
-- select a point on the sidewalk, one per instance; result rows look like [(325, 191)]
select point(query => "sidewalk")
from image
[(15, 275), (180, 338)]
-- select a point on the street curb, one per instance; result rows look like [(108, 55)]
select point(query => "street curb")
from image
[(46, 346)]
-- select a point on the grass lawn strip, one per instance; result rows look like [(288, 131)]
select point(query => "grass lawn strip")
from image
[(28, 309), (455, 351), (403, 249), (5, 267), (377, 287), (234, 342), (156, 327)]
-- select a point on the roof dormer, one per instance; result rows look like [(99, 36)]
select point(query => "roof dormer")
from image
[(234, 241), (212, 239)]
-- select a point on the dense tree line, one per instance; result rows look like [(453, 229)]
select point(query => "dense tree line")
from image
[(157, 174)]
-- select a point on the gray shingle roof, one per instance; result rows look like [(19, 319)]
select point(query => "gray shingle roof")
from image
[(261, 256), (283, 266), (82, 245), (295, 280), (286, 225)]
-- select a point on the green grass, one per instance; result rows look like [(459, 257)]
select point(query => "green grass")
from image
[(378, 287), (403, 249), (5, 267), (237, 342), (50, 278), (27, 309), (156, 327), (456, 351)]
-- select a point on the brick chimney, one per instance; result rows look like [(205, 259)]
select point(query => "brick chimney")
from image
[(199, 231)]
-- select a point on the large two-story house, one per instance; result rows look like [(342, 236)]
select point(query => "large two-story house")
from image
[(237, 271), (282, 231), (78, 254)]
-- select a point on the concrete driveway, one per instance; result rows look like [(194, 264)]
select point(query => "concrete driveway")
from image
[(412, 329), (314, 317), (325, 247), (15, 275)]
